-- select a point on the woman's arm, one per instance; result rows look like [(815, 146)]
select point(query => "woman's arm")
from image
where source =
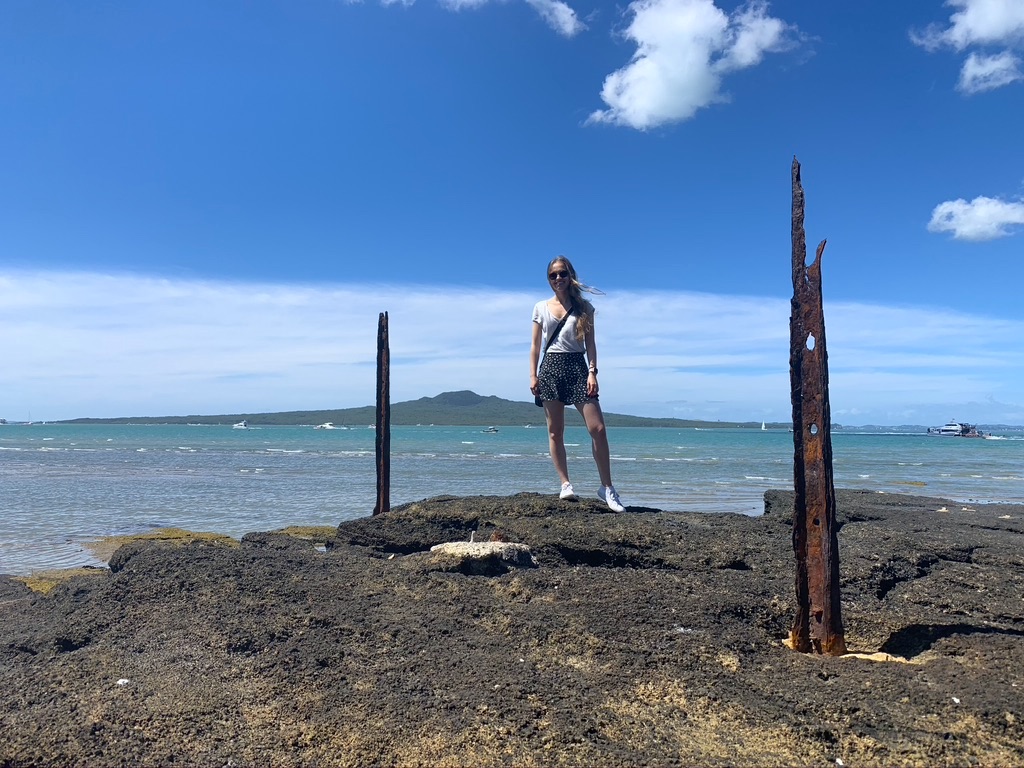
[(591, 345), (534, 356)]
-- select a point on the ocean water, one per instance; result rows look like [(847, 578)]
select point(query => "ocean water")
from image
[(64, 485)]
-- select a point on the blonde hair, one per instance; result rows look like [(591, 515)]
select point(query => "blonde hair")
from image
[(584, 309)]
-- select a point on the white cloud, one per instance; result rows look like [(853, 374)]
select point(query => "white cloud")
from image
[(82, 344), (986, 73), (983, 218), (978, 22), (459, 5), (684, 49), (558, 15), (981, 23)]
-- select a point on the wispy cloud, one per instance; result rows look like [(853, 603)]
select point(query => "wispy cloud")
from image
[(986, 73), (983, 218), (84, 344), (557, 14), (911, 365), (460, 5), (685, 48), (980, 24)]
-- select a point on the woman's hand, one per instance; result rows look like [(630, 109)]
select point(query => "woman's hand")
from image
[(533, 384), (591, 384)]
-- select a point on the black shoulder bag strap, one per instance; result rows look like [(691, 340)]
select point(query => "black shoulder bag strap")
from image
[(558, 330)]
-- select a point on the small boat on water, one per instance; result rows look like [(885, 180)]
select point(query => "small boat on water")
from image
[(243, 424), (490, 430), (325, 425), (954, 428)]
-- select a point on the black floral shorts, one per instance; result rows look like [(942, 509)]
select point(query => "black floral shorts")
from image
[(563, 377)]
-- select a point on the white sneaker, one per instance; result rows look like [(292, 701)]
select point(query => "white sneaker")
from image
[(611, 497), (567, 492)]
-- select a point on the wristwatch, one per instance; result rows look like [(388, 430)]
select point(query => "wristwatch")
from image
[(594, 371)]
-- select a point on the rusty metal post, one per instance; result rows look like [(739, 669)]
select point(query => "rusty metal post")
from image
[(818, 625), (383, 441)]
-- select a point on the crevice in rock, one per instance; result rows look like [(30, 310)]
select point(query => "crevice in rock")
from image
[(738, 564), (855, 517), (244, 646), (68, 644), (486, 567), (996, 529), (958, 555), (897, 571), (599, 558)]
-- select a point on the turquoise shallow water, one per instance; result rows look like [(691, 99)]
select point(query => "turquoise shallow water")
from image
[(65, 484)]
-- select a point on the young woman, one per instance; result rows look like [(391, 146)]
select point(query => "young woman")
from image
[(568, 374)]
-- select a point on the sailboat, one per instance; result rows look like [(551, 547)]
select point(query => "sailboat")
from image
[(763, 427)]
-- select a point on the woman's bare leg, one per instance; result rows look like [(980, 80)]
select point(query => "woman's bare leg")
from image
[(555, 411), (594, 419)]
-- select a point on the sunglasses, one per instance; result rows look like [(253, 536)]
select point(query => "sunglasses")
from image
[(556, 275)]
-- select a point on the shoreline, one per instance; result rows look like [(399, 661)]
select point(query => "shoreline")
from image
[(642, 638), (98, 548)]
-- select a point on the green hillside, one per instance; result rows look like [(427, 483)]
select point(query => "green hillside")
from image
[(448, 408)]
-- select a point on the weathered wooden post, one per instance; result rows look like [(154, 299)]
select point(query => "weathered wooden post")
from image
[(818, 625), (383, 438)]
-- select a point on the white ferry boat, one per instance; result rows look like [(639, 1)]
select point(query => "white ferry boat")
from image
[(955, 429)]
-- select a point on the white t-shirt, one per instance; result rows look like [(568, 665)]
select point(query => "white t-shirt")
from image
[(566, 341)]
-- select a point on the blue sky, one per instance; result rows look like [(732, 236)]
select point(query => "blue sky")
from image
[(204, 206)]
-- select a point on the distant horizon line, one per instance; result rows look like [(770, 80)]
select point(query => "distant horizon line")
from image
[(449, 399), (725, 423)]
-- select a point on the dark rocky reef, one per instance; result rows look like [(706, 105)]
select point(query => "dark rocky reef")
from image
[(644, 638)]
